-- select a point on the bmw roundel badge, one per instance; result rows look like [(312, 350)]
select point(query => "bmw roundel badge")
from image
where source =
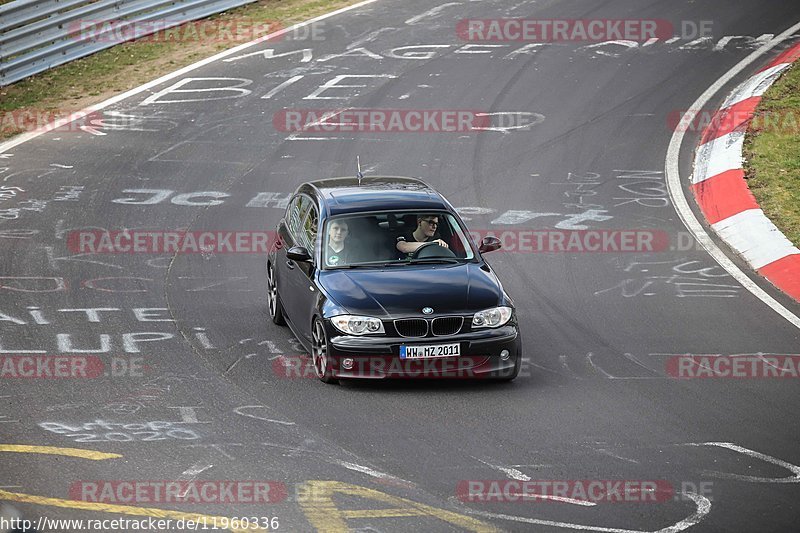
[(427, 310)]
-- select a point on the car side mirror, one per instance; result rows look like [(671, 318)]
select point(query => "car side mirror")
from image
[(490, 244), (298, 253)]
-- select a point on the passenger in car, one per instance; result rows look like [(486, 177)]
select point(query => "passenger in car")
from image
[(336, 249), (426, 231)]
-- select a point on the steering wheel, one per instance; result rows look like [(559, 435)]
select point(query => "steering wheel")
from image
[(431, 249)]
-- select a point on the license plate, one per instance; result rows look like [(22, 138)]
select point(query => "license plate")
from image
[(430, 351)]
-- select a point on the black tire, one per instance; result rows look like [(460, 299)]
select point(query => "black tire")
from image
[(319, 353), (273, 298)]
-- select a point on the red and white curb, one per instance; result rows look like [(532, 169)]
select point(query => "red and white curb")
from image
[(722, 193)]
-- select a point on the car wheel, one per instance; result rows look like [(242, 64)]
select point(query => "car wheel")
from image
[(273, 298), (319, 353)]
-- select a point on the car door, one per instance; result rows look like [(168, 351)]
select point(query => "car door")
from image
[(305, 291), (289, 235), (298, 275)]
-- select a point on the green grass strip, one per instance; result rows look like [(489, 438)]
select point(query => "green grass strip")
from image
[(772, 152)]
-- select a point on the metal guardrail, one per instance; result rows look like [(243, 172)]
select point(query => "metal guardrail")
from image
[(36, 35)]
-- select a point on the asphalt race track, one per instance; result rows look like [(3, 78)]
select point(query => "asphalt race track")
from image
[(197, 384)]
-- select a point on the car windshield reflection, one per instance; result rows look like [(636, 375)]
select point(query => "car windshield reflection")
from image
[(385, 239)]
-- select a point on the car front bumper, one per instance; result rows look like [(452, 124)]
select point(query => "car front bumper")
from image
[(378, 357)]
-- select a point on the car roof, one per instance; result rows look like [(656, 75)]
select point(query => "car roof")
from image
[(339, 196)]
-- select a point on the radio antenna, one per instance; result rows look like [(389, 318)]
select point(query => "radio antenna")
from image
[(359, 175)]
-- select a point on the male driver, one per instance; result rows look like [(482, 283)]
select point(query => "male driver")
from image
[(426, 231)]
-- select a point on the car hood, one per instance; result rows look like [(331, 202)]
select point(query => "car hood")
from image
[(405, 290)]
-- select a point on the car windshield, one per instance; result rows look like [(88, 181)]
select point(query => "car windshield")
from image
[(394, 239)]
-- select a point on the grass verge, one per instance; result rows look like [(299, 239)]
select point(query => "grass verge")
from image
[(772, 153), (75, 85)]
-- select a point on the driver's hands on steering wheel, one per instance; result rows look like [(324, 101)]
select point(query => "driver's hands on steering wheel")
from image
[(441, 243)]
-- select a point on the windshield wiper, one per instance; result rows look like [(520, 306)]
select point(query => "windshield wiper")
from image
[(375, 264), (425, 260)]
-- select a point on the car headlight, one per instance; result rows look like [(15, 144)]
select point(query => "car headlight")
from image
[(357, 325), (492, 318)]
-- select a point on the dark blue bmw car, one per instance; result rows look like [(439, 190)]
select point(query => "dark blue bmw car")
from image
[(378, 278)]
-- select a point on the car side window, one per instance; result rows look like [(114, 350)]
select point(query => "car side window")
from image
[(296, 212), (308, 234), (291, 215)]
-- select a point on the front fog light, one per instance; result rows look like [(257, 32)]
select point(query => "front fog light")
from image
[(347, 363), (504, 355)]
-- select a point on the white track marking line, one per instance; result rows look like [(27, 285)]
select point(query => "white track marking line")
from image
[(239, 409), (562, 499), (511, 473), (590, 359), (281, 87), (703, 508), (195, 470), (374, 473), (4, 147), (431, 12), (611, 454), (794, 469), (365, 470), (190, 475), (358, 43), (672, 168), (326, 116), (630, 357), (563, 360)]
